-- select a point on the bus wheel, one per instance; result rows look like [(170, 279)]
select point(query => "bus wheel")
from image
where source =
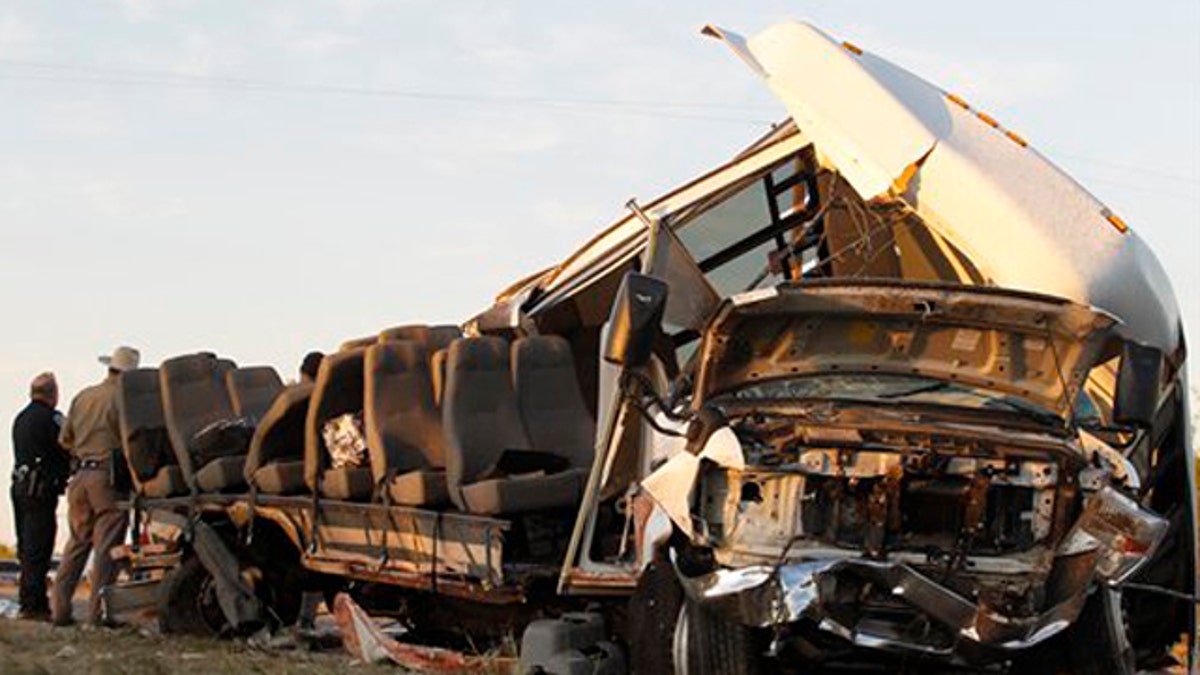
[(189, 602)]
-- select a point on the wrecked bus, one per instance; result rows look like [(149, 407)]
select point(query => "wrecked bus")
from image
[(887, 384)]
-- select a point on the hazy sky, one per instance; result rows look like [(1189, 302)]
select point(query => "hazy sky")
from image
[(264, 178)]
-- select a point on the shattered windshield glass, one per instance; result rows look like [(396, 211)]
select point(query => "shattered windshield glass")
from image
[(887, 388)]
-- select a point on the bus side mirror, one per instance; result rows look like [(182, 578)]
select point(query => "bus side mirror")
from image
[(1138, 383), (635, 319)]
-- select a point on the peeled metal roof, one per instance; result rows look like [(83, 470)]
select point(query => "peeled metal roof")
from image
[(1023, 222)]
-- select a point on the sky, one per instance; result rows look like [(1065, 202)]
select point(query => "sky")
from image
[(261, 179)]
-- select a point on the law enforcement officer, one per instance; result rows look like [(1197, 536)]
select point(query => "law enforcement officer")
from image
[(40, 471), (91, 434)]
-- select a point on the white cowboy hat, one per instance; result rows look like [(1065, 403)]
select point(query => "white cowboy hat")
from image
[(123, 358)]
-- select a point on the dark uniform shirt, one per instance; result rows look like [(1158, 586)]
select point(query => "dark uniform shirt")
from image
[(35, 441)]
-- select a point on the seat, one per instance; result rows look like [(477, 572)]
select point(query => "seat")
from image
[(440, 337), (275, 463), (357, 343), (481, 422), (252, 390), (531, 492), (432, 338), (279, 478), (552, 408), (416, 332), (348, 483), (167, 482), (338, 390), (144, 438), (222, 474), (403, 427), (194, 401)]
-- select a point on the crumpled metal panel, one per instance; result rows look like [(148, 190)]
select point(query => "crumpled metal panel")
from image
[(766, 596)]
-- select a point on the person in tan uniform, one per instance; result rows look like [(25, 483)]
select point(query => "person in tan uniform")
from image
[(90, 434)]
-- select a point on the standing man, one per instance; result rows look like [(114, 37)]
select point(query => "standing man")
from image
[(40, 471), (91, 433)]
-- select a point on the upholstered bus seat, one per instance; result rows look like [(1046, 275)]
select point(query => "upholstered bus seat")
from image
[(403, 426), (275, 463), (252, 390), (194, 401), (490, 466), (338, 390), (552, 408), (144, 438), (357, 343), (416, 332), (435, 339), (432, 338), (440, 337)]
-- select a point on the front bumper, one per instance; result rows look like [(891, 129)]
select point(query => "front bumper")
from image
[(765, 596)]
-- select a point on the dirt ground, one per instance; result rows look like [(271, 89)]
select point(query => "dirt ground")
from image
[(37, 648), (29, 647)]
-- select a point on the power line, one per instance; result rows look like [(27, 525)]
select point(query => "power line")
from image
[(86, 73), (663, 109), (561, 106)]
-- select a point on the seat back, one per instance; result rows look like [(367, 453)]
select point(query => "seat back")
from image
[(416, 332), (403, 426), (252, 390), (440, 337), (280, 434), (143, 430), (338, 390), (357, 343), (550, 400), (192, 399), (479, 410)]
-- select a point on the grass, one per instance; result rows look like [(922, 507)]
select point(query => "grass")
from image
[(37, 648)]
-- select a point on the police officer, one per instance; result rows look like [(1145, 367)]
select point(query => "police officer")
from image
[(40, 471), (91, 434)]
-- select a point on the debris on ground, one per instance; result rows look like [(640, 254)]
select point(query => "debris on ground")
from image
[(365, 640)]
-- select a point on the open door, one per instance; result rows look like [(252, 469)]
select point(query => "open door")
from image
[(643, 317)]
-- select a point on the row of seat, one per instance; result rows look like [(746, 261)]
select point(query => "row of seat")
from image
[(500, 401), (473, 423), (163, 412)]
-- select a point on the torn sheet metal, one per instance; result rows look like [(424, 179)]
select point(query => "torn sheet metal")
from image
[(671, 485), (364, 640), (1021, 221), (764, 596)]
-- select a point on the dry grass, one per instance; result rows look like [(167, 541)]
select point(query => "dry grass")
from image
[(37, 648)]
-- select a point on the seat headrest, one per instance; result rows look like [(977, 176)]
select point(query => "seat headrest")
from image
[(418, 332), (397, 356), (440, 337), (140, 381), (338, 362), (253, 389), (357, 343), (481, 353), (254, 376), (188, 367)]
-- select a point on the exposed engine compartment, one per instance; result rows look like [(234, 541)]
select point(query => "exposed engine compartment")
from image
[(949, 498), (911, 535)]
